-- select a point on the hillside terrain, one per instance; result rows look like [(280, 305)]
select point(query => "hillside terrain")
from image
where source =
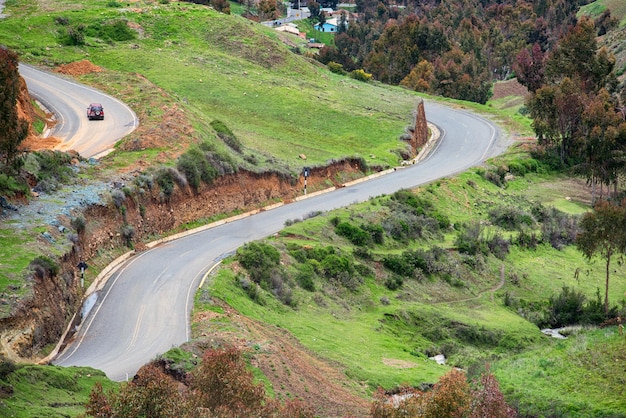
[(343, 129)]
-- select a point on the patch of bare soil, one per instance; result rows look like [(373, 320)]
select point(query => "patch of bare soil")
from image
[(294, 371), (511, 89), (34, 143), (78, 68)]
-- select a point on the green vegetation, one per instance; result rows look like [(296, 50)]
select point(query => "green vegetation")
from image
[(46, 391), (275, 102), (412, 296), (579, 376), (596, 8)]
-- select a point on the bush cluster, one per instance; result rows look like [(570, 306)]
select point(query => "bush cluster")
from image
[(511, 218), (330, 264), (417, 263), (262, 261), (571, 307), (471, 240), (558, 228), (413, 217), (166, 178), (221, 385), (360, 75), (336, 68), (112, 31), (10, 186), (354, 234), (226, 135), (196, 168)]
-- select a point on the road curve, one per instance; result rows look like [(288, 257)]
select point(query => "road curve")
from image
[(68, 101), (144, 308)]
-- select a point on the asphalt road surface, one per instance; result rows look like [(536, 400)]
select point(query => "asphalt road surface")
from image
[(144, 308), (68, 101)]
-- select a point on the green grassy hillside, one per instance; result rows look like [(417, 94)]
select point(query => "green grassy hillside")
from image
[(28, 391), (596, 8), (475, 309), (279, 104)]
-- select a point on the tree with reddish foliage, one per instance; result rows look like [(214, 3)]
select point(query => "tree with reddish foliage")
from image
[(13, 130), (223, 381), (99, 405), (451, 397), (604, 138), (577, 57), (152, 393), (268, 9), (405, 402), (488, 400), (529, 68), (221, 386)]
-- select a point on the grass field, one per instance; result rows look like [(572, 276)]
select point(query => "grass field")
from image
[(596, 8), (48, 391), (279, 104), (359, 332)]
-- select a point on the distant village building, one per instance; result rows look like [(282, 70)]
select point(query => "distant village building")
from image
[(329, 26), (289, 28)]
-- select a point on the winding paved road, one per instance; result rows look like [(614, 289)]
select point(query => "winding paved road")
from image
[(143, 308), (68, 101)]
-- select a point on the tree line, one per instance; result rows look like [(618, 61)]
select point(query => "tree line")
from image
[(455, 48), (577, 105)]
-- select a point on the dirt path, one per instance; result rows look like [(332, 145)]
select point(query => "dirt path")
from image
[(492, 290)]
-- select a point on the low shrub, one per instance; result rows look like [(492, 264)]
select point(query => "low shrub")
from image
[(251, 288), (469, 240), (499, 246), (10, 186), (112, 31), (128, 233), (118, 197), (7, 367), (336, 68), (259, 259), (79, 224), (167, 178), (354, 234), (559, 229), (527, 239), (417, 263), (394, 282), (510, 217), (306, 277), (44, 266), (75, 36), (407, 226), (361, 75), (196, 168), (226, 135)]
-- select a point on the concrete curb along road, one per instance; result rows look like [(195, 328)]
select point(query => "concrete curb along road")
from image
[(101, 280)]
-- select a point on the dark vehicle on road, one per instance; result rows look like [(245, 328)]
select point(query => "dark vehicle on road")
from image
[(95, 111)]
